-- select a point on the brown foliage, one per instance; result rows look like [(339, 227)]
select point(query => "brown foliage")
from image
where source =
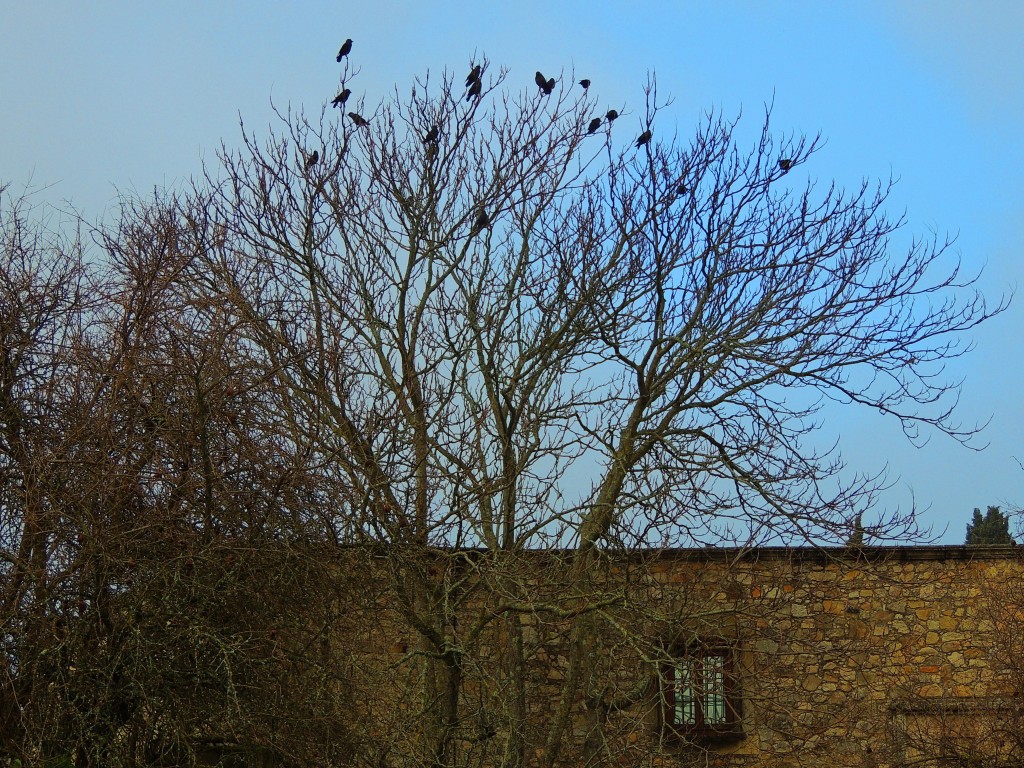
[(162, 555)]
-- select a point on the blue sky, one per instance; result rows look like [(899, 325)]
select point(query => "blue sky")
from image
[(107, 96)]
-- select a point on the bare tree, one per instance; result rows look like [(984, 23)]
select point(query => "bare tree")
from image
[(523, 335), (162, 550), (443, 399)]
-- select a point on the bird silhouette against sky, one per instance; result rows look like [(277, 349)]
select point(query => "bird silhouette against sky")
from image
[(341, 98), (346, 47), (643, 138), (594, 125), (482, 222)]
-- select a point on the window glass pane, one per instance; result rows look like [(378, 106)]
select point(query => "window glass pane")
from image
[(714, 690), (684, 694)]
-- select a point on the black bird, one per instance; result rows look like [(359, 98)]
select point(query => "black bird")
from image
[(594, 125), (358, 119), (539, 79), (341, 98), (474, 90), (643, 138), (549, 86), (612, 114), (681, 189), (785, 164), (585, 83), (482, 222), (473, 76), (344, 50), (313, 159), (432, 135)]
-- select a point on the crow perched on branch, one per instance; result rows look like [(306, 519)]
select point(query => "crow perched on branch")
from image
[(482, 222), (344, 50), (643, 138), (313, 159), (358, 119), (785, 164), (585, 83), (432, 135), (341, 98), (473, 76), (545, 85), (594, 125), (474, 90), (611, 115)]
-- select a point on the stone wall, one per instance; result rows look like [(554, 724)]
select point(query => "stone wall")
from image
[(866, 657), (841, 652)]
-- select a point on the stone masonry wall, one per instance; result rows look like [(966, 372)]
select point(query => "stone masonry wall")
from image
[(842, 657)]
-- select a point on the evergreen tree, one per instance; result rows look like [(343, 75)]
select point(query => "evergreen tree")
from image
[(991, 529)]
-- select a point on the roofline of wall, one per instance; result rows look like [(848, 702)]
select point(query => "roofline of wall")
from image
[(923, 553), (810, 554)]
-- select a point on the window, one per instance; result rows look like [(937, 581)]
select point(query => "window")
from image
[(952, 730), (699, 692)]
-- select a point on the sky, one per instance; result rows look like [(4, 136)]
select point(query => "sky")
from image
[(112, 97)]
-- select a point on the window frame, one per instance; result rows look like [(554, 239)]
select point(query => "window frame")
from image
[(700, 731)]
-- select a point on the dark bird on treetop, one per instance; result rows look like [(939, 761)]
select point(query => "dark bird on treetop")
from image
[(539, 79), (643, 138), (483, 221), (313, 159), (612, 114), (585, 83), (681, 189), (341, 98), (358, 119), (549, 86), (344, 50), (594, 125), (785, 164), (473, 76), (474, 90), (432, 134)]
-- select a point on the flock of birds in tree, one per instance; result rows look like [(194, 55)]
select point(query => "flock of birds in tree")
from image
[(474, 88)]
